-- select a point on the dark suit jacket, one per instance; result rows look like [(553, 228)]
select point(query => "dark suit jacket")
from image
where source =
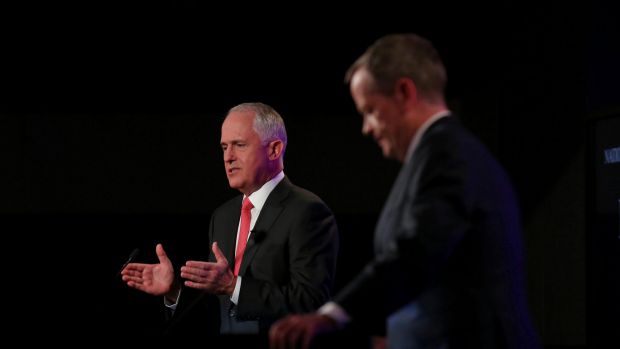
[(448, 246), (288, 266)]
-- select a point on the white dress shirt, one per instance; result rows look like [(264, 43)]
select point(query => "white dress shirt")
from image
[(258, 199)]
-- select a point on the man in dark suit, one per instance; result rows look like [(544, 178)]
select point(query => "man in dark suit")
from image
[(448, 270), (273, 249)]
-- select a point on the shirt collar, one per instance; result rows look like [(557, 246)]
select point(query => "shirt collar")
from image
[(259, 197), (422, 130)]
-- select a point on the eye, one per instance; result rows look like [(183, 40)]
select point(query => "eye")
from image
[(366, 112)]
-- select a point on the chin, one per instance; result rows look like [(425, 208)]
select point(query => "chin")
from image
[(387, 152), (233, 184)]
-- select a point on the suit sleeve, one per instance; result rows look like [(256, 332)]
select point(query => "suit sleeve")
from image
[(432, 220), (311, 255)]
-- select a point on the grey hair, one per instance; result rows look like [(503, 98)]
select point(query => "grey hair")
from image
[(268, 123), (396, 56)]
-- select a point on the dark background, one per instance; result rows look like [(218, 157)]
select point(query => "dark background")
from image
[(110, 135)]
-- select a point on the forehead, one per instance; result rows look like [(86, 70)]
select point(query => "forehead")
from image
[(362, 84), (238, 125), (362, 80)]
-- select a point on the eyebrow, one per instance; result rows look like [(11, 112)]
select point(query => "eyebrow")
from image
[(234, 141)]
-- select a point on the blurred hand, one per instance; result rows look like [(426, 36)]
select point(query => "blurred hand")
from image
[(155, 279), (215, 278), (298, 331)]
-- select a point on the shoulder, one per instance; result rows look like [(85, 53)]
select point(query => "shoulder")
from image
[(446, 131), (304, 195), (296, 197), (449, 138), (449, 147), (232, 204)]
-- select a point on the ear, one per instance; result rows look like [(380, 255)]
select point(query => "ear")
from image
[(275, 149), (405, 91)]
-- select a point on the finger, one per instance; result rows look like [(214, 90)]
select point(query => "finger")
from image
[(274, 342), (131, 272), (137, 286), (275, 334), (198, 275), (306, 339), (295, 333), (202, 269), (196, 285), (139, 267), (198, 268), (185, 274), (190, 272), (199, 264), (279, 333), (191, 277), (219, 256), (161, 254), (132, 279)]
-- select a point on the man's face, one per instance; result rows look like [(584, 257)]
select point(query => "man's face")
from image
[(245, 157), (381, 115)]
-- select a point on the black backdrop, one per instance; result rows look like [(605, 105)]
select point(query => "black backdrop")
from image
[(112, 121)]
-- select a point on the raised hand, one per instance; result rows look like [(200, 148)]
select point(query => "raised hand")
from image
[(155, 279), (215, 278)]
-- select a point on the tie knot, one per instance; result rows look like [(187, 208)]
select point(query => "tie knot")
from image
[(247, 204)]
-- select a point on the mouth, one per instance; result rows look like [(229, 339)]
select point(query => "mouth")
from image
[(232, 170)]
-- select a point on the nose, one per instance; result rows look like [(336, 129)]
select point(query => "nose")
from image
[(367, 127), (229, 154)]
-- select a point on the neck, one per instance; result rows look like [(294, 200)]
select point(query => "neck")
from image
[(264, 179), (414, 120)]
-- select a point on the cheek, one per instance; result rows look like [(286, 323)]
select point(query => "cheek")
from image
[(388, 126), (251, 164), (383, 128)]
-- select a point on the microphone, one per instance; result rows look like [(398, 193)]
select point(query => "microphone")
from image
[(132, 256)]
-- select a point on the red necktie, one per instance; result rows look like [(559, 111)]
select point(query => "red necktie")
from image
[(244, 230)]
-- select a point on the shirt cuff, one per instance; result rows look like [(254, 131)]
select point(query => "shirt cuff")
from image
[(170, 305), (334, 311)]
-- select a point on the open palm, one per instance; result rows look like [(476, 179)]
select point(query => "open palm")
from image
[(155, 279)]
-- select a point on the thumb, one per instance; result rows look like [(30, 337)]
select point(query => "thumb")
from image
[(219, 256), (161, 254)]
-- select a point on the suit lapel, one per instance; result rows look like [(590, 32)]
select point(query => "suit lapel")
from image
[(268, 215), (384, 231), (408, 180), (229, 230)]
